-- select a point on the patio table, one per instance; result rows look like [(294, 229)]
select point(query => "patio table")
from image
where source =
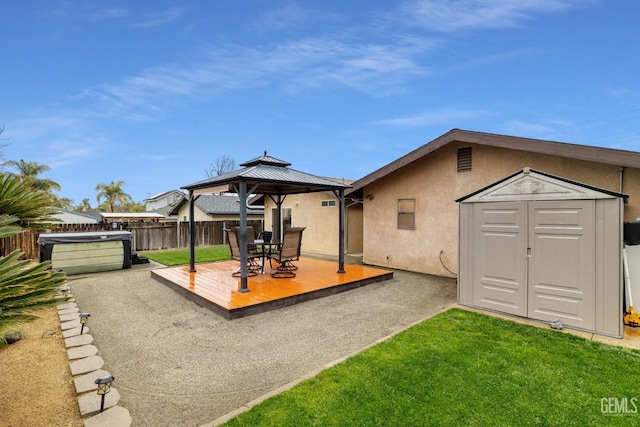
[(265, 249)]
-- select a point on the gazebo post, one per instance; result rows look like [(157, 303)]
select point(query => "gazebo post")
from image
[(340, 194), (277, 221), (242, 194), (192, 235)]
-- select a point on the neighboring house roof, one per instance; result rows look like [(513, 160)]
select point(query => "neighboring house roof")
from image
[(221, 205), (213, 204), (267, 175), (72, 217), (581, 152), (166, 210), (164, 194), (91, 214)]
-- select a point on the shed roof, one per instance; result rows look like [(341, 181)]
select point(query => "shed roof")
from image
[(269, 176), (581, 152), (531, 184)]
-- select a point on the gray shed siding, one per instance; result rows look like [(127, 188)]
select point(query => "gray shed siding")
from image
[(598, 272)]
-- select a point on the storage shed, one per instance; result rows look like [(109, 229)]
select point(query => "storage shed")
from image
[(86, 252), (544, 247)]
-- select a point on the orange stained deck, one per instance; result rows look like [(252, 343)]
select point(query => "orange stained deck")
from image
[(212, 285)]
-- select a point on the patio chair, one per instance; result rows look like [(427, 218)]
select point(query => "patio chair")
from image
[(288, 252), (252, 249), (253, 267)]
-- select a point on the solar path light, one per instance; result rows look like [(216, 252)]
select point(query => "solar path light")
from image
[(104, 387), (83, 319)]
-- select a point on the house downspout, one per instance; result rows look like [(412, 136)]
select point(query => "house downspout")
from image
[(621, 177)]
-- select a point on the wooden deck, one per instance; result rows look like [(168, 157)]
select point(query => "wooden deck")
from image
[(212, 285)]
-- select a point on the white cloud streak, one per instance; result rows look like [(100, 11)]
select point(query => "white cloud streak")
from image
[(160, 18), (455, 15), (308, 63), (109, 14), (149, 20), (381, 68), (444, 116)]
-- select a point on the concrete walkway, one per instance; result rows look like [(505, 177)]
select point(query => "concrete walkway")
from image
[(176, 363)]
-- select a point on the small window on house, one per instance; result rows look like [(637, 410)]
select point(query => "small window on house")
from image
[(326, 203), (406, 214), (464, 159)]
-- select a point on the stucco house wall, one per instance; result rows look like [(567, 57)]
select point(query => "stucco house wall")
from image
[(321, 222), (198, 215), (354, 231), (434, 182)]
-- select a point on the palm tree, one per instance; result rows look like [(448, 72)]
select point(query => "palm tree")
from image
[(29, 171), (113, 194), (25, 285), (62, 202), (31, 209), (84, 206), (135, 207)]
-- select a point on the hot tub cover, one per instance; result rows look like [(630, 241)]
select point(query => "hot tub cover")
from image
[(89, 236)]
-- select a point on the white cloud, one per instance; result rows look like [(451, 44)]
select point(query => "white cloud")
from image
[(445, 116), (454, 15), (33, 128), (109, 14), (72, 150), (307, 63), (624, 93), (124, 16), (285, 17), (518, 127), (158, 157), (159, 18)]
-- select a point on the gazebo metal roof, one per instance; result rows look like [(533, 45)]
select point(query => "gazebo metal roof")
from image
[(268, 176)]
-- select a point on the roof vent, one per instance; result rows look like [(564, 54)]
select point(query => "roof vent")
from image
[(464, 159)]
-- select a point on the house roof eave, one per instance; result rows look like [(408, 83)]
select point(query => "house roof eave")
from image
[(610, 156)]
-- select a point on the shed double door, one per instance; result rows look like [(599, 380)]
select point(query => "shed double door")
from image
[(536, 259)]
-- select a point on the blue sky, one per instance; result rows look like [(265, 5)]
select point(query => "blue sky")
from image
[(153, 92)]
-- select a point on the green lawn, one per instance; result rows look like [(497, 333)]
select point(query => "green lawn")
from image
[(464, 368), (181, 257)]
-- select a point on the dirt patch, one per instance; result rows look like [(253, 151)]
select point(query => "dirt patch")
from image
[(35, 379)]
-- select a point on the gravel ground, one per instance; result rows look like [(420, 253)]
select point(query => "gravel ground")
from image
[(178, 364), (36, 387)]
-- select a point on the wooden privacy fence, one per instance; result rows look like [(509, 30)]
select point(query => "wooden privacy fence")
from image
[(170, 236), (144, 236), (27, 241)]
